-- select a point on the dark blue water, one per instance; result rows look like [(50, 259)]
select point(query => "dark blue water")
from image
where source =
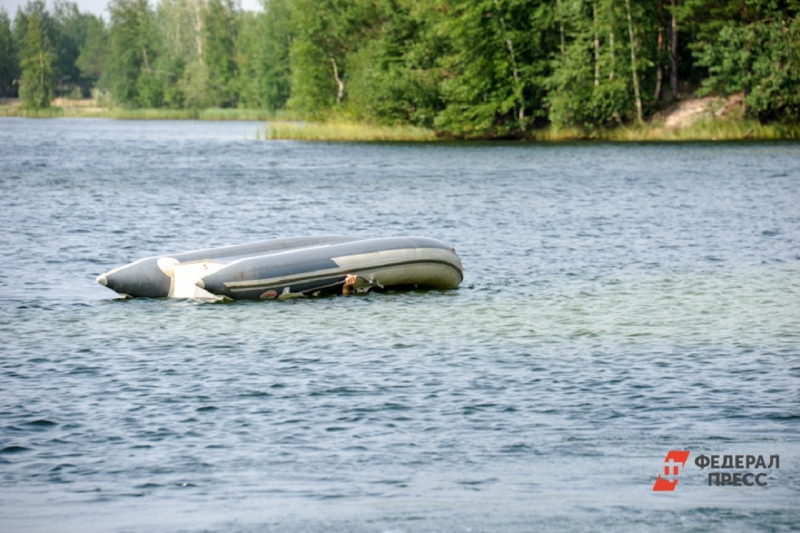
[(620, 301)]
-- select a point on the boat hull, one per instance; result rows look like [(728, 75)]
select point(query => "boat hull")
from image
[(282, 268), (378, 264)]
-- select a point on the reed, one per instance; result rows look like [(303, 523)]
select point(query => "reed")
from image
[(281, 125), (344, 131), (189, 114), (81, 111), (19, 111), (706, 130), (712, 130)]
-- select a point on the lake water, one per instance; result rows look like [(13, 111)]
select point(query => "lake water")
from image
[(619, 301)]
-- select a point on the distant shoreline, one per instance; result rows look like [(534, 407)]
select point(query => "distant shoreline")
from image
[(282, 126)]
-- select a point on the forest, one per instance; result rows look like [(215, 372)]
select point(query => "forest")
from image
[(467, 68)]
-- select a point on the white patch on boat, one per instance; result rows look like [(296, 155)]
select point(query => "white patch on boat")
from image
[(185, 276)]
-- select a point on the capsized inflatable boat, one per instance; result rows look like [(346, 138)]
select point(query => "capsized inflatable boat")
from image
[(285, 268)]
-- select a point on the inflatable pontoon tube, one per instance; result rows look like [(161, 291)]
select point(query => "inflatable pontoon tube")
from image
[(174, 276), (281, 268), (394, 262)]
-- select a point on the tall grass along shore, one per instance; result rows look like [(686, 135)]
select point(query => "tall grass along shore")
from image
[(63, 107), (282, 126), (344, 131)]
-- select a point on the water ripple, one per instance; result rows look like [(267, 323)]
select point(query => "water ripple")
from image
[(620, 301)]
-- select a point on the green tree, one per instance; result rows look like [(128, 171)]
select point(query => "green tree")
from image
[(219, 52), (487, 78), (197, 57), (469, 68), (93, 51), (394, 77), (71, 29), (761, 60), (590, 84), (181, 24), (325, 34), (263, 77), (38, 67), (9, 60), (66, 31), (134, 44)]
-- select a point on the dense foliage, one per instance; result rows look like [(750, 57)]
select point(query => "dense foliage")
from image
[(492, 68)]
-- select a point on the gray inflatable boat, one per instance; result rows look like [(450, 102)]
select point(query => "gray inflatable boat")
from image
[(285, 268)]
